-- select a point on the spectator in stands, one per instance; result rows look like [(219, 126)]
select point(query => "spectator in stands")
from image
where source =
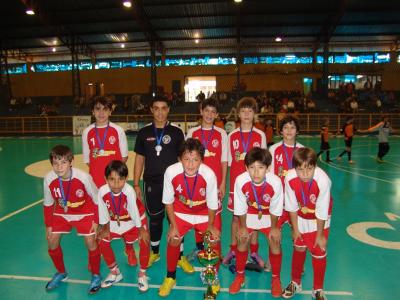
[(200, 97), (311, 106), (291, 106), (353, 105), (125, 104)]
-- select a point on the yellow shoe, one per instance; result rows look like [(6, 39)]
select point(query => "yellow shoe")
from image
[(215, 288), (185, 265), (166, 287), (154, 257)]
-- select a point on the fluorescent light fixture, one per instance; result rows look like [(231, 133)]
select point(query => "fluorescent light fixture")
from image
[(127, 4), (278, 39), (196, 41), (29, 11), (54, 49), (122, 45), (237, 1)]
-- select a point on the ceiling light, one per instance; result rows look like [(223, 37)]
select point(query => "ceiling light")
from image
[(54, 49), (29, 11), (127, 4), (122, 45), (237, 1), (196, 41), (196, 35), (278, 39)]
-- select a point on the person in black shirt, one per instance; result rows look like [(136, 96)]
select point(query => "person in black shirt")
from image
[(156, 148)]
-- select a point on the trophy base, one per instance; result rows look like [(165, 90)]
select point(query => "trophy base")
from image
[(209, 295)]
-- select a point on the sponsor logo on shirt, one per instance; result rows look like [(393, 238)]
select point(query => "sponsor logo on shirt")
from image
[(112, 140), (166, 139), (79, 193)]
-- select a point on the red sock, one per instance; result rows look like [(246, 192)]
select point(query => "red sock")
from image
[(172, 257), (144, 254), (241, 258), (276, 263), (94, 260), (319, 267), (57, 257), (107, 252), (253, 248), (297, 265)]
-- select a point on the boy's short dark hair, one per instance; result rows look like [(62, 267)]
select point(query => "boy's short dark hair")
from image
[(118, 167), (209, 102), (258, 154), (289, 119), (103, 100), (159, 98), (247, 102), (60, 152), (304, 156), (191, 145)]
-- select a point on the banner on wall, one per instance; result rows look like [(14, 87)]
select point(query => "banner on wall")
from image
[(229, 126), (79, 123), (189, 125), (134, 126)]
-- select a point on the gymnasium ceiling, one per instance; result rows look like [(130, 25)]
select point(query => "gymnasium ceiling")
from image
[(100, 27)]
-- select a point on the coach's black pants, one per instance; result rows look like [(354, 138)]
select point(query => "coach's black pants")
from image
[(383, 150)]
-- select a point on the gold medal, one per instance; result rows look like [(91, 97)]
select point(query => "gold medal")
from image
[(260, 214), (237, 155), (118, 222), (95, 152), (304, 209)]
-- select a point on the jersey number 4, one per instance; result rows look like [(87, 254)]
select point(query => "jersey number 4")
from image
[(279, 158), (57, 192)]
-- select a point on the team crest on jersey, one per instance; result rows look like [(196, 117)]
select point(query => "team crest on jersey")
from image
[(313, 199), (266, 197), (166, 139), (108, 204), (151, 139), (182, 199), (79, 193), (215, 143), (256, 144), (247, 195), (112, 140), (202, 191)]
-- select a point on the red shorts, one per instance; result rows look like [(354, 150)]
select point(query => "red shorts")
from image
[(184, 227), (83, 226), (309, 241), (265, 231), (283, 219), (129, 236)]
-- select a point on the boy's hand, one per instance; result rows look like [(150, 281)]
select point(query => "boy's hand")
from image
[(221, 190), (242, 235), (173, 234), (215, 234), (49, 231), (138, 191), (144, 235), (94, 228), (320, 241), (103, 232), (275, 235), (296, 235)]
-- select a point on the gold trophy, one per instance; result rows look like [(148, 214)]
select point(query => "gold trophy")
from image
[(209, 258)]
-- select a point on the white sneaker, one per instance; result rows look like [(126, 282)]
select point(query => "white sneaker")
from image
[(143, 282), (292, 289), (111, 279)]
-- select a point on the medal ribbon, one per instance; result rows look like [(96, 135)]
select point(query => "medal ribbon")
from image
[(258, 201), (63, 195), (305, 201), (289, 162), (245, 144), (103, 140), (190, 192), (203, 138), (159, 137), (117, 211)]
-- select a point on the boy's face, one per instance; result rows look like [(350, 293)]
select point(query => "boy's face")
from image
[(289, 131), (257, 171), (160, 111), (209, 114), (115, 182), (101, 113), (305, 172), (62, 167), (191, 162), (246, 115)]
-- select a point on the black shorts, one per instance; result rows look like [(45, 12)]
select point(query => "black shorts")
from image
[(325, 146), (348, 142), (153, 198)]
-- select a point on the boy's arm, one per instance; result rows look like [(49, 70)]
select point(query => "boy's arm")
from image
[(137, 173), (211, 218), (320, 239), (291, 206), (173, 233), (48, 204), (85, 147)]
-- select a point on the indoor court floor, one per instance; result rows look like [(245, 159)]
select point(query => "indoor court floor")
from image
[(363, 248)]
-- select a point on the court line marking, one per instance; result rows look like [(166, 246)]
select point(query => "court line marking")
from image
[(20, 210), (355, 168), (386, 161), (157, 286)]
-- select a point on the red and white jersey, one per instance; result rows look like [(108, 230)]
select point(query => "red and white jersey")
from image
[(236, 152), (176, 191), (216, 152), (282, 156), (127, 210), (115, 148), (270, 197), (311, 200), (80, 193)]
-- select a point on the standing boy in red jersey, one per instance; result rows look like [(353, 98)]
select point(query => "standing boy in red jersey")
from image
[(215, 143), (103, 141), (120, 217), (70, 200), (190, 196), (240, 141), (258, 203), (325, 141), (309, 203)]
